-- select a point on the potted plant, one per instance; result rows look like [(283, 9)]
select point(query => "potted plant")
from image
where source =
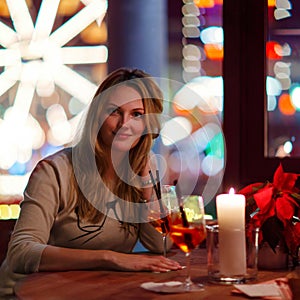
[(274, 207)]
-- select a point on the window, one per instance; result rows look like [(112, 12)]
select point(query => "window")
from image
[(283, 79), (245, 104)]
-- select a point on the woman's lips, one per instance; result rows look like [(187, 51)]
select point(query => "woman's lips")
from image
[(123, 136), (120, 135)]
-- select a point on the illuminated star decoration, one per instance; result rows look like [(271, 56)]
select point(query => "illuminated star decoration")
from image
[(35, 57)]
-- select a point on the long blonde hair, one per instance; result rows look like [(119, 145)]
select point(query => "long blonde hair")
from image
[(90, 151)]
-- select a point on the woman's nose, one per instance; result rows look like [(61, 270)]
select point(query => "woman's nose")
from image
[(124, 119)]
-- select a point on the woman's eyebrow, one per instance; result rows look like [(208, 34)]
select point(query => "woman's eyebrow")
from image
[(113, 104), (118, 106), (139, 108)]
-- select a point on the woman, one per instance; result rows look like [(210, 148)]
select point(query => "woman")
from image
[(83, 206)]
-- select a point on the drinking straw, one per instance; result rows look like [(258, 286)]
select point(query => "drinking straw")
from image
[(157, 190), (158, 184), (185, 222), (154, 185), (165, 225)]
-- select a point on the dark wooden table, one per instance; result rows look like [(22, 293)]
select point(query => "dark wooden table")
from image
[(126, 285)]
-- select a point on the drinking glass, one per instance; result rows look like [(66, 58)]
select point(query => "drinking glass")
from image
[(187, 230), (160, 210)]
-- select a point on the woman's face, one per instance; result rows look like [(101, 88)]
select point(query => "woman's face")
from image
[(123, 124)]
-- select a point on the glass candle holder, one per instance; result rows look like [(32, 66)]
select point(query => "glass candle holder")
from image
[(235, 272)]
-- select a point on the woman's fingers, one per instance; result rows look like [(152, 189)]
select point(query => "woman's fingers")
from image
[(162, 264), (142, 262)]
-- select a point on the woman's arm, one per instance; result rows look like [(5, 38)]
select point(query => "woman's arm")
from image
[(38, 211), (61, 259), (152, 239), (29, 249)]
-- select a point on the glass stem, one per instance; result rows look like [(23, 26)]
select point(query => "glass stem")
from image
[(188, 281), (164, 236)]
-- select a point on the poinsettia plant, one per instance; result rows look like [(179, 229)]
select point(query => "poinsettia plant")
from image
[(274, 207)]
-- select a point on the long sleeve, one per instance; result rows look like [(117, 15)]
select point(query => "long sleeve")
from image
[(38, 212), (152, 239), (31, 234)]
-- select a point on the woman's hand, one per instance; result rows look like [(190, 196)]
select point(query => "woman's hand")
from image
[(63, 259), (142, 262)]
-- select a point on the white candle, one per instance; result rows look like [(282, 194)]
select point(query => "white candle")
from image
[(232, 239)]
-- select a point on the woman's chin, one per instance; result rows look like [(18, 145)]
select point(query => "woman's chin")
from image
[(123, 146)]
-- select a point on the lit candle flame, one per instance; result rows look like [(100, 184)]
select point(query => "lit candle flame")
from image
[(231, 191)]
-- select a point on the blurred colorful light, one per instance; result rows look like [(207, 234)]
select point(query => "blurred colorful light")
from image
[(295, 95), (212, 35), (273, 86), (285, 105), (9, 211), (214, 51), (288, 147), (175, 130), (271, 3), (273, 50), (205, 3)]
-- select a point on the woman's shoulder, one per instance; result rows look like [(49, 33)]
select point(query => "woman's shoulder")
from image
[(59, 160), (62, 154), (53, 168)]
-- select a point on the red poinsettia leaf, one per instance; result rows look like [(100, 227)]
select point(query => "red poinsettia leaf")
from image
[(254, 223), (297, 234), (251, 189), (264, 200), (284, 181), (275, 207), (292, 237), (285, 208)]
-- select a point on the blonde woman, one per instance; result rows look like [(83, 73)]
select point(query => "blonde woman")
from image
[(83, 206)]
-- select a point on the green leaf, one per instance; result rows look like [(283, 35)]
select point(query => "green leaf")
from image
[(296, 196)]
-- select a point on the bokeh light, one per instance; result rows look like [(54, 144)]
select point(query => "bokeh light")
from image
[(212, 35), (175, 130), (68, 7), (288, 147), (295, 96), (212, 165), (271, 103), (214, 51), (285, 105), (205, 3), (281, 14), (273, 86), (273, 50), (9, 211), (271, 3)]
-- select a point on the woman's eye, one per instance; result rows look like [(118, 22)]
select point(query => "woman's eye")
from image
[(137, 114), (112, 111)]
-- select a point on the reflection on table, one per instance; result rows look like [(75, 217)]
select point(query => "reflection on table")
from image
[(101, 284)]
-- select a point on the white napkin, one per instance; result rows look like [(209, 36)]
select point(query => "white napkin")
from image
[(259, 290)]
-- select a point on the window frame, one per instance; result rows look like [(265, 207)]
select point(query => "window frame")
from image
[(245, 115)]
